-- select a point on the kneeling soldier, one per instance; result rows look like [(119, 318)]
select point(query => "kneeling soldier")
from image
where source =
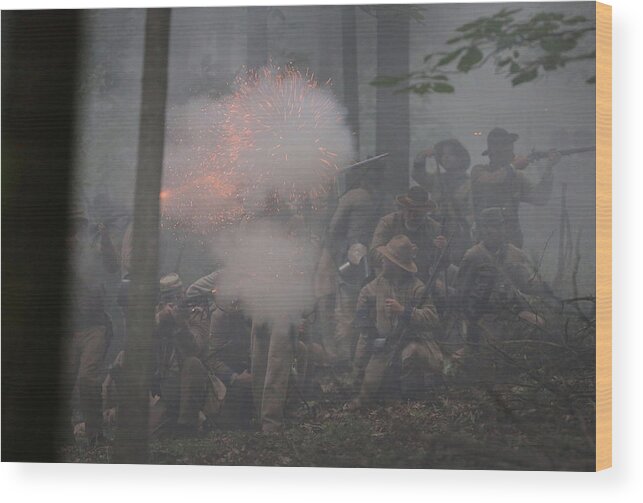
[(391, 301)]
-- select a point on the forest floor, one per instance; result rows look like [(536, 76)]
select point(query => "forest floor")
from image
[(460, 426)]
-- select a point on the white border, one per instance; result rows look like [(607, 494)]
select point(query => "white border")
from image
[(67, 483)]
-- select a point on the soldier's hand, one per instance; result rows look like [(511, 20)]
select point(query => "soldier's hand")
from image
[(393, 307), (245, 378), (520, 162), (164, 313), (440, 242)]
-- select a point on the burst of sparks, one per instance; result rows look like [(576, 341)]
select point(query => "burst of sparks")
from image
[(280, 133)]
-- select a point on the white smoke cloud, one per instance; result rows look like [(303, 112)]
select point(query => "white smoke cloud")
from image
[(278, 132), (269, 267)]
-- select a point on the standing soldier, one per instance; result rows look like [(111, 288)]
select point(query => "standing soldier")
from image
[(411, 220), (90, 324), (396, 296), (350, 229), (499, 184), (451, 190)]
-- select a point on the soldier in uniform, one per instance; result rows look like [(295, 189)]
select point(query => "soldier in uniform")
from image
[(411, 220), (352, 225), (451, 190), (494, 274), (90, 324), (500, 185), (394, 297), (180, 379)]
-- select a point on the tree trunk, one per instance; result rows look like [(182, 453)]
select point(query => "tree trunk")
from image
[(257, 33), (349, 63), (132, 435), (39, 70), (392, 110)]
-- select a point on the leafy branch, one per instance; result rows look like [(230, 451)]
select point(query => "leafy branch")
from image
[(520, 50)]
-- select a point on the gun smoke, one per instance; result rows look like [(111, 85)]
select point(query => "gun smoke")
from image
[(268, 268), (278, 132)]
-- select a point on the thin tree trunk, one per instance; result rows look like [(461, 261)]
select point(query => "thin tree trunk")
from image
[(560, 268), (392, 109), (257, 33), (132, 435), (349, 63)]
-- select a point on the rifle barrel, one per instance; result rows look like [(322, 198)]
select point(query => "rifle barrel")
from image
[(541, 154), (361, 163)]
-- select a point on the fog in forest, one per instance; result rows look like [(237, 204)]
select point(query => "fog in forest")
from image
[(208, 50)]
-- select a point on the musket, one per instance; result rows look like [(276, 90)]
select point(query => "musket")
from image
[(361, 163), (536, 155)]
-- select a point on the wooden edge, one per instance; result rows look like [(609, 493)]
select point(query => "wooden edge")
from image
[(603, 236)]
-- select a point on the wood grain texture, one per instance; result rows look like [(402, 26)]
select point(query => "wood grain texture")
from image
[(603, 236)]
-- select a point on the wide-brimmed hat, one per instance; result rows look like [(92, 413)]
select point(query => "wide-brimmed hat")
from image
[(416, 198), (170, 283), (499, 138), (401, 252)]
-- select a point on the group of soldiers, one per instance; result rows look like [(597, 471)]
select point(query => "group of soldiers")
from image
[(385, 285)]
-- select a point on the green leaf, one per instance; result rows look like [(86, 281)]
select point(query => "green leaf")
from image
[(443, 87), (470, 58), (449, 57), (420, 89), (428, 57), (557, 44), (454, 40), (514, 68), (439, 77), (386, 80), (504, 62), (574, 20), (526, 76)]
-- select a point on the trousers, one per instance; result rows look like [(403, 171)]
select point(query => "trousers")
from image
[(85, 354)]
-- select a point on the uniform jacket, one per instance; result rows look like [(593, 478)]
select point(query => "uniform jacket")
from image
[(175, 341), (452, 193), (353, 222), (506, 188), (371, 312)]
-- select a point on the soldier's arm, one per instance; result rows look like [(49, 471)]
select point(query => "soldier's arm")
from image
[(364, 320), (381, 236), (466, 204), (423, 316), (218, 342), (436, 230), (337, 225), (464, 277), (419, 173), (536, 193), (108, 252), (525, 276), (477, 204)]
